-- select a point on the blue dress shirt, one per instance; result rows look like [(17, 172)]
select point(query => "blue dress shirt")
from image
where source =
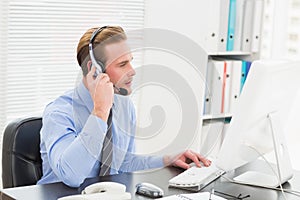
[(72, 138)]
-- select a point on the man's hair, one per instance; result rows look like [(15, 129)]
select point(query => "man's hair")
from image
[(109, 35)]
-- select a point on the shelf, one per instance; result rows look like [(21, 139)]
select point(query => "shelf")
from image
[(231, 53), (216, 117)]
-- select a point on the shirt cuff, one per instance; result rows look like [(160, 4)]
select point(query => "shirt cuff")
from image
[(155, 162)]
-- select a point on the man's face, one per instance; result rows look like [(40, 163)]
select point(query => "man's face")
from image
[(118, 65)]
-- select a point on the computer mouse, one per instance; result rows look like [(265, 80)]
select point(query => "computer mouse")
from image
[(149, 189)]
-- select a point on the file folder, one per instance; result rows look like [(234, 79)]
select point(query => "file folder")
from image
[(236, 75), (257, 25), (231, 25), (217, 87), (243, 74), (223, 85), (208, 89), (228, 85), (247, 25), (237, 45), (248, 65), (223, 25)]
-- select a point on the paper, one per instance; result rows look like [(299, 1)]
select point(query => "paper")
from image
[(194, 196)]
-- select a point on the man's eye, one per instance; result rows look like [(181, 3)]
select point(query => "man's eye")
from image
[(123, 64)]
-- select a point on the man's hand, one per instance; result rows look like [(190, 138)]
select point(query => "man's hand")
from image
[(182, 160), (101, 90)]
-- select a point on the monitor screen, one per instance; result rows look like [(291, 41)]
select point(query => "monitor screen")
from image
[(262, 109)]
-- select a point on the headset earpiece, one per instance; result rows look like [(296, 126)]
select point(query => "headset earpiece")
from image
[(101, 65)]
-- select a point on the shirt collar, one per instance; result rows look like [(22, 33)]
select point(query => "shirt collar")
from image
[(85, 96)]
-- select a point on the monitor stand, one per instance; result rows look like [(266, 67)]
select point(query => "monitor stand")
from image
[(282, 171)]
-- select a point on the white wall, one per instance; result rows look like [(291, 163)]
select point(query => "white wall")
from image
[(180, 16)]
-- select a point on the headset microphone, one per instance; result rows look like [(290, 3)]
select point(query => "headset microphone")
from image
[(97, 63), (121, 91)]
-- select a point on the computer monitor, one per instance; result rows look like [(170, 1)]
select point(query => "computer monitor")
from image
[(257, 124)]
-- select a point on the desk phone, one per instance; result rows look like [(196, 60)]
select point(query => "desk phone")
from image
[(102, 190)]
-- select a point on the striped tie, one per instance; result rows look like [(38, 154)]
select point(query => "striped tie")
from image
[(107, 152)]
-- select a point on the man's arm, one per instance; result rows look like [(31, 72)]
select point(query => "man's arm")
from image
[(72, 155)]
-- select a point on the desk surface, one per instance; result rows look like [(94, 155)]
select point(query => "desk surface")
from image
[(159, 177)]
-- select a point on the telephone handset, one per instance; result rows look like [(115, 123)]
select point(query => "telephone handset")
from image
[(104, 187), (102, 190)]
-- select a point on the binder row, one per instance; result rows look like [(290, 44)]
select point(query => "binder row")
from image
[(239, 25), (224, 82)]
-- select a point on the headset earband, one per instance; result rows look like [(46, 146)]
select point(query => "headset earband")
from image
[(98, 64)]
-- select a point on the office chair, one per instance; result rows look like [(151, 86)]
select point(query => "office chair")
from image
[(21, 158)]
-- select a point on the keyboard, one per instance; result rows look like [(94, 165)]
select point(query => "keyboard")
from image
[(196, 178)]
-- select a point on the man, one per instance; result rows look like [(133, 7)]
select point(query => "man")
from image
[(77, 124)]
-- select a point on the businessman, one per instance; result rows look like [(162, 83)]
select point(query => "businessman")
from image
[(89, 131)]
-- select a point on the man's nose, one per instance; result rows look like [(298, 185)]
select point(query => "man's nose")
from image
[(131, 71)]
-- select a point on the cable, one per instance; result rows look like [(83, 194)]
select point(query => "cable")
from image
[(277, 175), (294, 192)]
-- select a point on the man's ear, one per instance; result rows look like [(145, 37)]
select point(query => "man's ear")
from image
[(89, 65)]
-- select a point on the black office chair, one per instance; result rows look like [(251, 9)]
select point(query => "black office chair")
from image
[(21, 158)]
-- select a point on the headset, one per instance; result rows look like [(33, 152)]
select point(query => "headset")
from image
[(97, 63), (100, 68)]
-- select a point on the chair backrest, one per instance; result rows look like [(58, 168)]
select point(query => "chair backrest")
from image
[(21, 158)]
